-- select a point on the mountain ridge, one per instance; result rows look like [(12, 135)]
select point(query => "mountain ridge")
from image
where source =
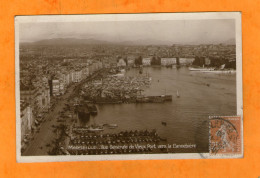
[(92, 41)]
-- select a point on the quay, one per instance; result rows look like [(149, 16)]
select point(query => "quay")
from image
[(138, 99), (154, 99)]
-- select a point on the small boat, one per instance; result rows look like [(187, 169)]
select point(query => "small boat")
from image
[(93, 109), (164, 123), (112, 125), (201, 68), (177, 94), (163, 139), (95, 129), (82, 112)]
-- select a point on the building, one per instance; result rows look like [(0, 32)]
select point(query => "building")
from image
[(146, 61), (71, 76), (55, 87), (78, 76), (186, 60), (62, 87), (67, 78), (121, 63), (207, 61), (130, 61), (27, 120), (91, 69), (85, 72), (46, 99), (100, 65), (28, 93), (168, 61)]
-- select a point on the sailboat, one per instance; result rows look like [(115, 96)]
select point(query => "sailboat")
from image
[(177, 94)]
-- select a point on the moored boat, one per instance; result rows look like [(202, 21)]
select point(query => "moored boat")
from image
[(177, 94), (83, 112), (94, 129), (221, 71), (112, 126), (92, 109), (201, 69)]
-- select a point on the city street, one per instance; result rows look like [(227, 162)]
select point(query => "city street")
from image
[(38, 146), (42, 141)]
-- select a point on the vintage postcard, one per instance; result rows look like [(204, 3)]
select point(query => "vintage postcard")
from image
[(128, 86)]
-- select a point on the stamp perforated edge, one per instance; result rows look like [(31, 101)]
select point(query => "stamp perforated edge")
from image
[(229, 155)]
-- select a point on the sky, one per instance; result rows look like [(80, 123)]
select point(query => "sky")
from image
[(163, 31)]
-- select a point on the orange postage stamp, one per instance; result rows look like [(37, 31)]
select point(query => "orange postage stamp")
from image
[(225, 135)]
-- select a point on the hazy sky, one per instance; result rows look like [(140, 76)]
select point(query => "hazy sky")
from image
[(174, 31)]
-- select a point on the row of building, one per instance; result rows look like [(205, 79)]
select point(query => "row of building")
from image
[(63, 79), (147, 61), (39, 88)]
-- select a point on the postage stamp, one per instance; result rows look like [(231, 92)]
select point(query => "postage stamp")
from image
[(225, 135)]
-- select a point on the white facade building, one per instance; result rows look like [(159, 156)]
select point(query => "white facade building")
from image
[(186, 60), (146, 61), (55, 87), (168, 61), (26, 119), (78, 76), (121, 63)]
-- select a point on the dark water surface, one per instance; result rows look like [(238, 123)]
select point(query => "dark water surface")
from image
[(201, 95)]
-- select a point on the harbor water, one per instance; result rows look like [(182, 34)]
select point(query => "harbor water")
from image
[(200, 95)]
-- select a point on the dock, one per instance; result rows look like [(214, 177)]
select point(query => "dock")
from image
[(154, 99)]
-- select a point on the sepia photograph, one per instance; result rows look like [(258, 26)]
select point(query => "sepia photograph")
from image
[(128, 86)]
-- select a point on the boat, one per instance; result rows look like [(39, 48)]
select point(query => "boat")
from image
[(119, 75), (164, 123), (91, 129), (177, 94), (201, 69), (112, 126), (154, 99), (92, 109), (83, 112), (167, 97), (213, 70), (122, 70), (220, 71), (163, 139)]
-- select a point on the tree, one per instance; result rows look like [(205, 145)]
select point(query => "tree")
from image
[(155, 61), (178, 61), (125, 59), (199, 61), (138, 61)]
